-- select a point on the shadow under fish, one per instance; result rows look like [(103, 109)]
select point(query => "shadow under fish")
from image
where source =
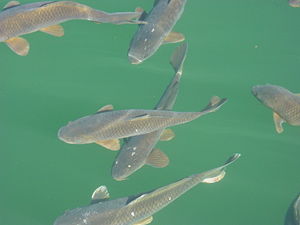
[(17, 20), (137, 209)]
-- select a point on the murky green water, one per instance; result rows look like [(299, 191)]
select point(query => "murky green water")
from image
[(233, 45)]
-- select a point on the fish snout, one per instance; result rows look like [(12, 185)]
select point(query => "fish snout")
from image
[(133, 60), (255, 90), (63, 137)]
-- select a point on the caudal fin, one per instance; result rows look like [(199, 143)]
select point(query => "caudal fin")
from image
[(217, 174), (122, 17), (178, 57), (214, 104)]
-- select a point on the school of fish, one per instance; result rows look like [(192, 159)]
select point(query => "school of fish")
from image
[(140, 129)]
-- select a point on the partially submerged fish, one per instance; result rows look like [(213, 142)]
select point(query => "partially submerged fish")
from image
[(138, 150), (157, 30), (137, 209), (106, 126), (285, 104), (16, 20), (293, 214), (294, 3)]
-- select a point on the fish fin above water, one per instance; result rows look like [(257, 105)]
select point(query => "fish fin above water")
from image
[(55, 30), (19, 45), (144, 221), (113, 144), (106, 108), (178, 57), (167, 135), (278, 121), (157, 159), (217, 174), (11, 4), (100, 194), (174, 37)]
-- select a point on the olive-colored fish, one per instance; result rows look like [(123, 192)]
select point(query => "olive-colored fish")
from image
[(137, 209), (138, 150), (157, 30), (285, 104), (107, 126), (294, 3), (16, 20), (293, 214)]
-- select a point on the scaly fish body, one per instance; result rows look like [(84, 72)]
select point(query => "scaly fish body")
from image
[(135, 151), (120, 124), (160, 22), (17, 20), (293, 213), (281, 101), (134, 209)]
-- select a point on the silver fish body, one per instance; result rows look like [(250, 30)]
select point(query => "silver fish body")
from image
[(160, 21), (131, 210), (293, 213), (120, 124), (283, 102), (135, 150)]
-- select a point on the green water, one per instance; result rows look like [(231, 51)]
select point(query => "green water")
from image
[(233, 45)]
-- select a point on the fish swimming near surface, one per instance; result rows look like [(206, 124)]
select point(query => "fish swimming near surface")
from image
[(294, 3), (138, 150), (107, 125), (137, 209), (293, 214), (285, 104), (17, 20), (157, 30)]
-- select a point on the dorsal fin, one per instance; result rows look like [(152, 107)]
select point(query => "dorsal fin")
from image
[(100, 194), (106, 108), (11, 4)]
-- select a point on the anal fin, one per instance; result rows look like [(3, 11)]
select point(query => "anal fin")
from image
[(55, 30), (174, 37), (19, 45), (167, 135), (278, 122), (157, 159), (144, 221), (113, 144)]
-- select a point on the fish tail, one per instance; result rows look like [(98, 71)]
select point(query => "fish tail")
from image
[(214, 104), (116, 18), (178, 57)]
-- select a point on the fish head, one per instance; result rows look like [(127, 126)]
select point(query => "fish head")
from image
[(267, 94), (72, 134), (120, 170), (294, 3), (133, 59)]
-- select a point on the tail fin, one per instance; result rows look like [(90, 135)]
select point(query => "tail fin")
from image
[(217, 174), (178, 57), (214, 104)]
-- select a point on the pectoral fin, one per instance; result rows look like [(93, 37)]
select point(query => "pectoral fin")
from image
[(106, 108), (113, 144), (144, 221), (157, 159), (174, 37), (11, 4), (167, 135), (55, 30), (18, 45), (100, 194), (278, 122)]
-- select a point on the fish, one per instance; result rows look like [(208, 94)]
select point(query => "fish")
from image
[(285, 104), (139, 150), (157, 29), (107, 126), (294, 3), (17, 20), (293, 214), (137, 209)]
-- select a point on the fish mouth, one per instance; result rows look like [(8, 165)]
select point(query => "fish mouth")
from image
[(255, 90), (134, 60), (63, 138)]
